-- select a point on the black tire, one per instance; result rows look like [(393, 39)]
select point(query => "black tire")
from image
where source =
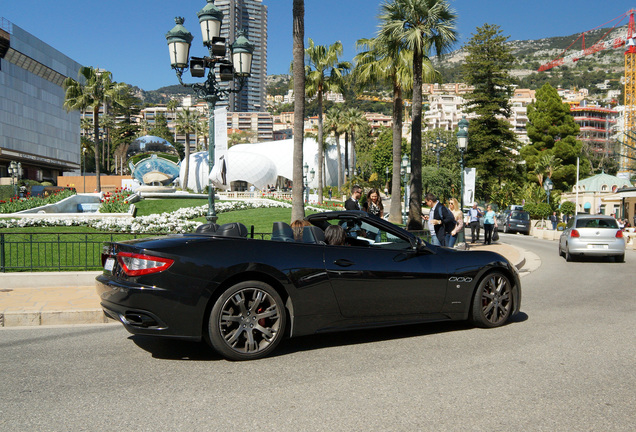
[(568, 255), (492, 303), (561, 251), (619, 258), (247, 321)]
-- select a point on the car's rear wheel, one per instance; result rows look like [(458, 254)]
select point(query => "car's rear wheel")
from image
[(568, 255), (560, 251), (492, 304), (247, 321), (619, 258)]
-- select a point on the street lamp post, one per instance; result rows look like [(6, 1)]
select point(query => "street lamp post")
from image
[(15, 171), (307, 179), (405, 171), (84, 168), (437, 146), (179, 40), (548, 185), (462, 145)]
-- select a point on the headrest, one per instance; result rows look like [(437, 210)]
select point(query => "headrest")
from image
[(208, 228), (232, 229), (313, 234), (282, 232)]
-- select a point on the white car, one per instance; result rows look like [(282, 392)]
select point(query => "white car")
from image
[(592, 235)]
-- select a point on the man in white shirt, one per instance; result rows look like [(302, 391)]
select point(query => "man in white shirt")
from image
[(473, 220)]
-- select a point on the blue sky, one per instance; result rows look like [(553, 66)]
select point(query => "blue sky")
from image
[(128, 37)]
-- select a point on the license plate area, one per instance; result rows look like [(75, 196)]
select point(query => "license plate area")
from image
[(109, 265), (597, 246)]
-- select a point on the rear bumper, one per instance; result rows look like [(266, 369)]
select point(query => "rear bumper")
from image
[(612, 248), (147, 310)]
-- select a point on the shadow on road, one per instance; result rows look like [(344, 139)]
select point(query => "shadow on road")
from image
[(169, 349)]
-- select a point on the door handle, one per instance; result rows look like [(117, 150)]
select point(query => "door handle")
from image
[(343, 262)]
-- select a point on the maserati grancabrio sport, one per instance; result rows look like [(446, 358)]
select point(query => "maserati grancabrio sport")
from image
[(242, 295)]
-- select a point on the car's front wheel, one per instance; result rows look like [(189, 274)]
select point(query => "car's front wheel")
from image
[(247, 321), (492, 304)]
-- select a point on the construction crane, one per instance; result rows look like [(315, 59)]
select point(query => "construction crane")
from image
[(627, 39)]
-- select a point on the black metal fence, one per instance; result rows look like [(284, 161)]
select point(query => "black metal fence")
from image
[(46, 251)]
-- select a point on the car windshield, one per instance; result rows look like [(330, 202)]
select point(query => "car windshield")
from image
[(520, 215), (597, 223)]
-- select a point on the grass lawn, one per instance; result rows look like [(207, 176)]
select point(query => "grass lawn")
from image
[(79, 248), (148, 207)]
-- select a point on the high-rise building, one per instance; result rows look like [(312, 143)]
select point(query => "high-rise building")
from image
[(251, 16), (35, 129)]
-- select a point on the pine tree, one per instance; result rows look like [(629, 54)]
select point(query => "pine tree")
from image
[(552, 132), (493, 146)]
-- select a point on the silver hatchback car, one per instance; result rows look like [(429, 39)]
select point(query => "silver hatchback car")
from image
[(592, 235)]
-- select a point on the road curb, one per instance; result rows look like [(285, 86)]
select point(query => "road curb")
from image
[(47, 318), (47, 279)]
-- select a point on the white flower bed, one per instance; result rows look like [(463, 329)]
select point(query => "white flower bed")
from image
[(175, 222)]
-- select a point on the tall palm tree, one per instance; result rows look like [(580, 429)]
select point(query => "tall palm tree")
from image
[(92, 89), (298, 12), (186, 122), (107, 124), (335, 125), (172, 106), (324, 73), (353, 121), (384, 62), (421, 26), (203, 130)]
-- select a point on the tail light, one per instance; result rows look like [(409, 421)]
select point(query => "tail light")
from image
[(619, 234), (574, 233), (135, 264)]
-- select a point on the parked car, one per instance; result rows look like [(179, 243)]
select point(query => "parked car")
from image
[(514, 221), (592, 235), (243, 295)]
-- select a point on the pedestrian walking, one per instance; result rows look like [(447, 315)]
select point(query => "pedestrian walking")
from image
[(490, 223), (453, 206), (473, 221), (555, 220), (352, 203)]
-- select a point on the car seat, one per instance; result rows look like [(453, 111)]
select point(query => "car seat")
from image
[(281, 231), (232, 229), (313, 234)]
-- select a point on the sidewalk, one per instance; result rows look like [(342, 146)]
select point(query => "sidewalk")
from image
[(57, 298)]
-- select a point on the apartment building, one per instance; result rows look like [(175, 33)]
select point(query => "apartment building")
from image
[(596, 124), (251, 16)]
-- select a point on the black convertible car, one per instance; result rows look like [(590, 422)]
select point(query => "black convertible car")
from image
[(243, 295)]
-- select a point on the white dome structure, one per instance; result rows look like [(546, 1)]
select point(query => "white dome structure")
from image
[(261, 164)]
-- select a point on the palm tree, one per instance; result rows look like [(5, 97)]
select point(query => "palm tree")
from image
[(384, 62), (172, 106), (107, 124), (203, 130), (186, 123), (420, 26), (298, 209), (94, 88), (353, 121), (335, 125), (324, 73)]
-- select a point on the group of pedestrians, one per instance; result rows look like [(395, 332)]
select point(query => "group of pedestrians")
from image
[(443, 223), (372, 205)]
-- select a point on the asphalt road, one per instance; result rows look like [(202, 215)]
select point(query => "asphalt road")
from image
[(567, 363)]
